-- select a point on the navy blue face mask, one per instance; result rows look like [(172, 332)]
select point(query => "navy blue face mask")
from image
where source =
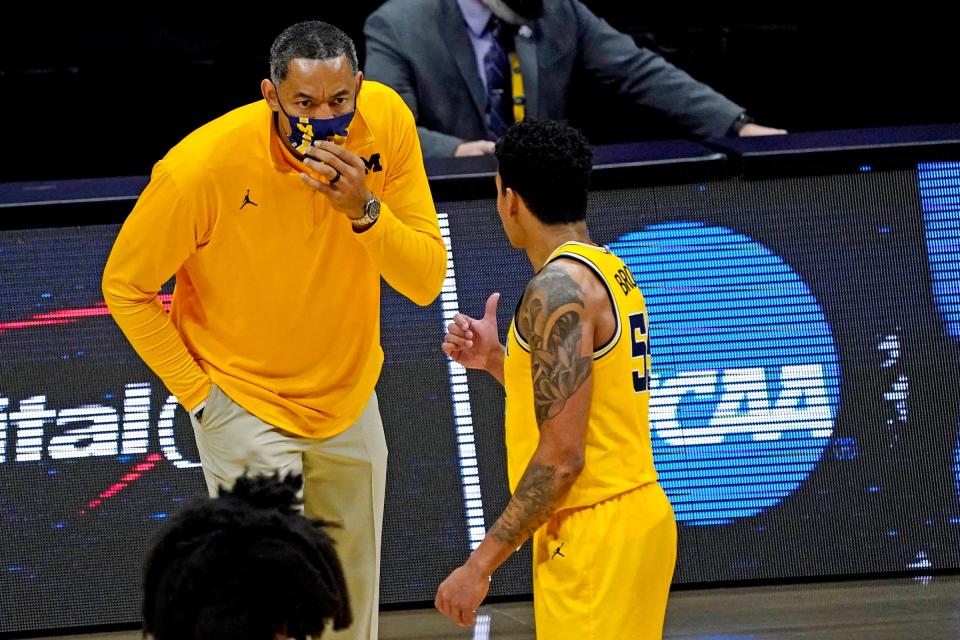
[(303, 130)]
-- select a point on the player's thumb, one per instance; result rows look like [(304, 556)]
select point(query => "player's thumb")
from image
[(490, 310)]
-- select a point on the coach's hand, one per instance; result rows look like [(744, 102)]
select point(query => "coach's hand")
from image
[(345, 188)]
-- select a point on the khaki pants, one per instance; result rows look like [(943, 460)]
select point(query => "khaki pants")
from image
[(344, 483)]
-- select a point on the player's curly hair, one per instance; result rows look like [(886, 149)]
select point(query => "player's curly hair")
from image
[(246, 565), (548, 164)]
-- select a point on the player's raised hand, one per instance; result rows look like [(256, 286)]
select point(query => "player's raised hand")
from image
[(474, 343)]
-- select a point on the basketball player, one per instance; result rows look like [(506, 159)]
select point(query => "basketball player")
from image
[(576, 370)]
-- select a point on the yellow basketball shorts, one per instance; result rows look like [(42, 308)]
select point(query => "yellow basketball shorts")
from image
[(604, 572)]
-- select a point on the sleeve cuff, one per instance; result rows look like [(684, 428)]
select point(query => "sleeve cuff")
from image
[(198, 399), (739, 123)]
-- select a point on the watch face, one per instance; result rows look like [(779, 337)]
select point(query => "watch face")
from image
[(372, 209)]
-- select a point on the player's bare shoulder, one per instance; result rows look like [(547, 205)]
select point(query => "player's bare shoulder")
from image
[(572, 276), (564, 291), (554, 300), (573, 280)]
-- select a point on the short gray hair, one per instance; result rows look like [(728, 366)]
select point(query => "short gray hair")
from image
[(312, 40)]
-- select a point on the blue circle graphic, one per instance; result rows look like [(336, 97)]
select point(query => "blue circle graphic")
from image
[(939, 184), (745, 385)]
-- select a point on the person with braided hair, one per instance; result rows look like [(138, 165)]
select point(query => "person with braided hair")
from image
[(247, 565)]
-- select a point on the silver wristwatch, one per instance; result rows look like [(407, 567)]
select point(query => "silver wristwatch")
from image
[(371, 211)]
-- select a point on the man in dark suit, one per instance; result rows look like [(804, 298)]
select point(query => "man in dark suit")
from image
[(450, 60)]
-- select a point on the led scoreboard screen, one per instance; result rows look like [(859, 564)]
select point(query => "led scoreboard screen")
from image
[(804, 406)]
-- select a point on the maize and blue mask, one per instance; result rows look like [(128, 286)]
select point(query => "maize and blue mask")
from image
[(303, 130)]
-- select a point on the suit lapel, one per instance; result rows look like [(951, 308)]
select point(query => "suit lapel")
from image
[(454, 32)]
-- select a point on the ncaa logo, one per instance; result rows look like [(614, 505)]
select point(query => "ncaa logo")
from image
[(745, 384)]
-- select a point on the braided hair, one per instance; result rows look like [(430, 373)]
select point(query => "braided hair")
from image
[(246, 565)]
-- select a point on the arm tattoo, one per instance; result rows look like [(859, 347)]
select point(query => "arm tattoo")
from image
[(532, 504), (550, 319)]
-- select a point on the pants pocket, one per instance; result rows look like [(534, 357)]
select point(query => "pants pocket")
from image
[(209, 408)]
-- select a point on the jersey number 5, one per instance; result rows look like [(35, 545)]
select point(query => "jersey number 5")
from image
[(640, 349)]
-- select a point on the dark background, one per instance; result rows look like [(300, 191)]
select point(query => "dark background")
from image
[(100, 92)]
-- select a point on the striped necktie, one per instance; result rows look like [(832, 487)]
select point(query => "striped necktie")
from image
[(496, 67)]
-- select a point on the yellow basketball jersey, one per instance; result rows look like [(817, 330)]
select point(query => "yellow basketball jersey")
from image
[(618, 454)]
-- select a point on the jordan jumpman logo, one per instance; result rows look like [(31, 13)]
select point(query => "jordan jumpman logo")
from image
[(247, 200)]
